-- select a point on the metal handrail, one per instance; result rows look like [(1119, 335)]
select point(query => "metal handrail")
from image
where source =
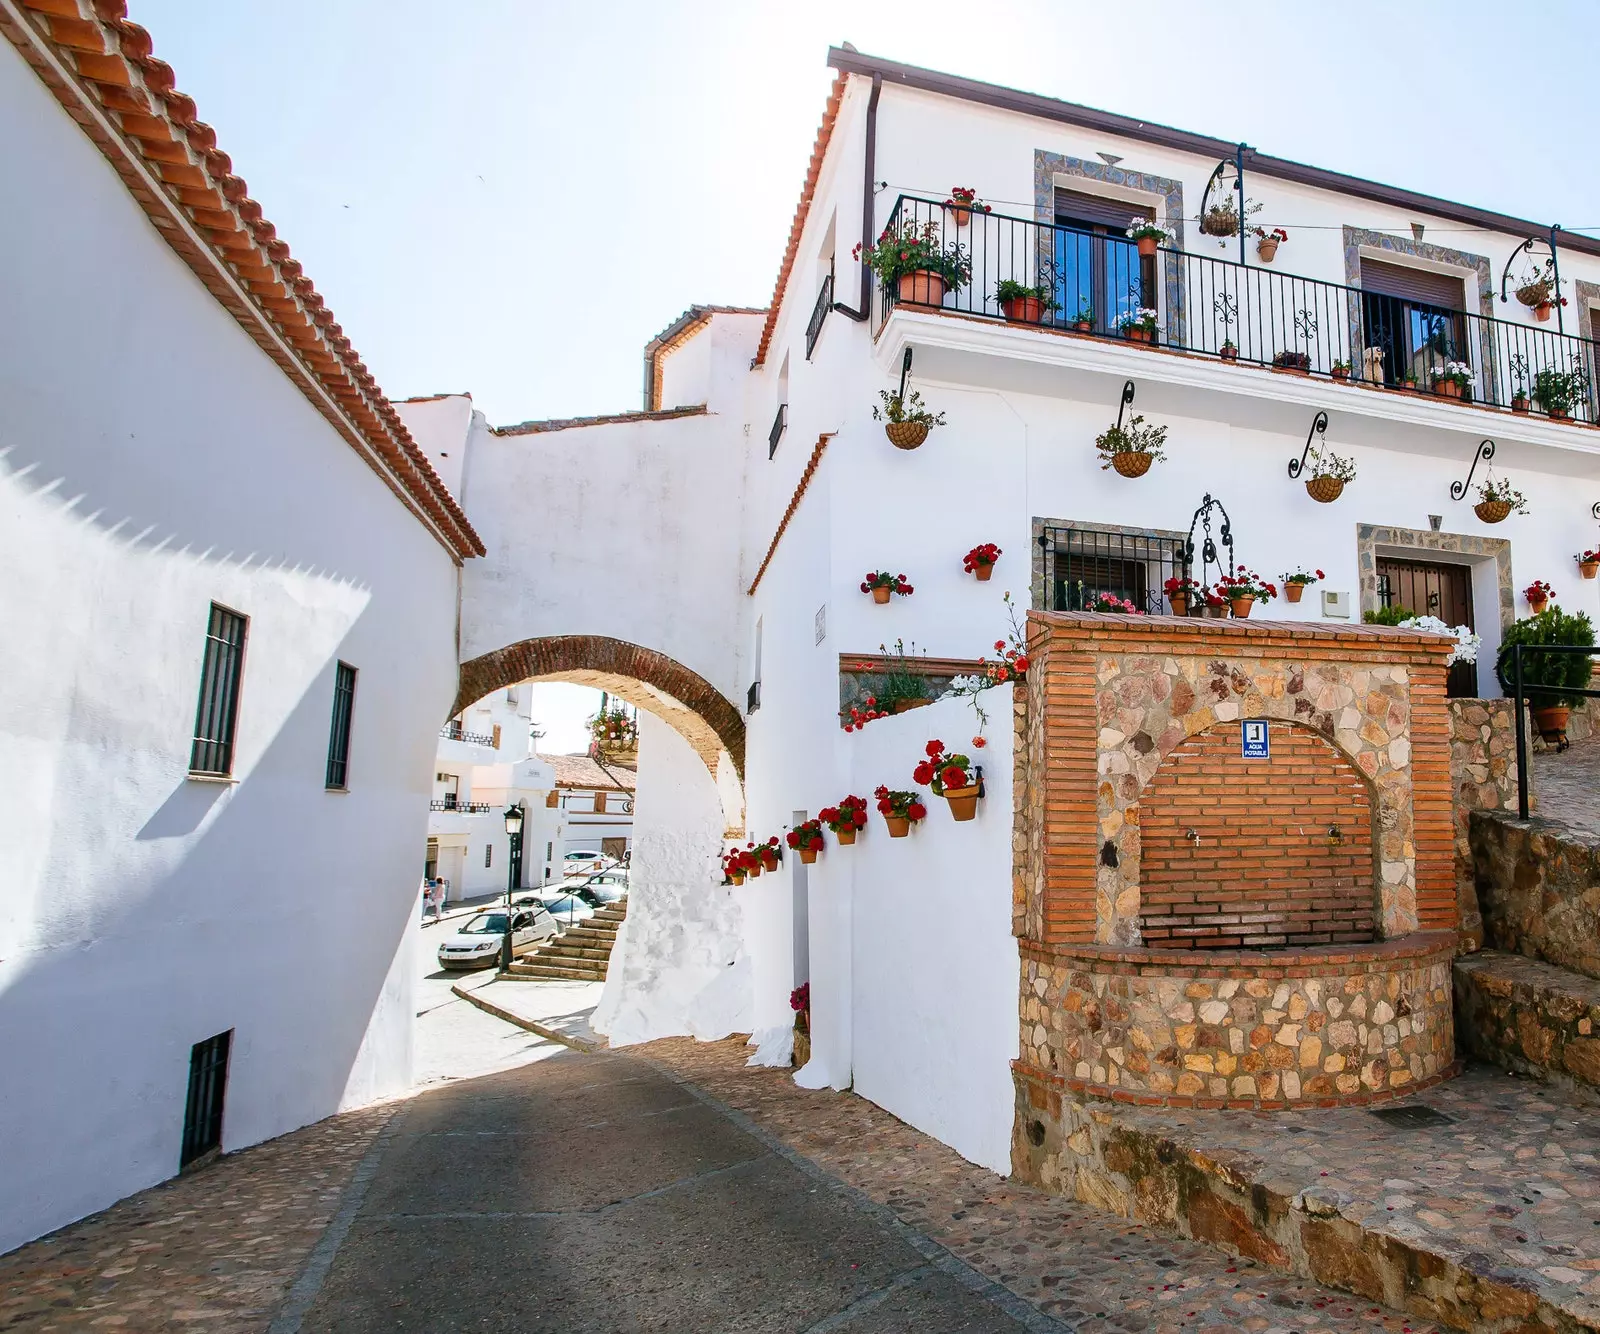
[(455, 732), (1246, 312), (460, 807), (1519, 695)]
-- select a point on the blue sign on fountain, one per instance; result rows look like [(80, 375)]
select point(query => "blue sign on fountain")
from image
[(1254, 743)]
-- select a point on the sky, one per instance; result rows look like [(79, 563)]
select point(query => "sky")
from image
[(511, 197), (561, 714)]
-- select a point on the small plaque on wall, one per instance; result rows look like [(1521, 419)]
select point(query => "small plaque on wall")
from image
[(1254, 741)]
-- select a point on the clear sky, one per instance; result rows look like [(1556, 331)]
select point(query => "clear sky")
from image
[(510, 197)]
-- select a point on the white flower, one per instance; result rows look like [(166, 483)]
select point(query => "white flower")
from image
[(969, 685), (1467, 643)]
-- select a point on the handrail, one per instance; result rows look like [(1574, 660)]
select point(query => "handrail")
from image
[(1519, 695), (460, 807), (455, 732)]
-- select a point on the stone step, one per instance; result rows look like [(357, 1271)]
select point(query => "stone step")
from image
[(1529, 1017), (558, 972), (589, 939), (1536, 884), (565, 951)]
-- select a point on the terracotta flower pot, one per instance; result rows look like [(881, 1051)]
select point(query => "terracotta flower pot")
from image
[(1229, 353), (1541, 312), (899, 825), (755, 870), (1083, 326), (963, 801), (1589, 568), (1132, 463), (1217, 613), (1447, 389), (922, 288), (736, 876), (1267, 248), (802, 1046), (846, 836), (1341, 372), (1024, 309), (1558, 414), (906, 435), (906, 705), (1294, 592), (1137, 333), (1324, 490), (1242, 606), (1179, 602), (982, 571), (881, 593), (1537, 605), (1492, 511), (808, 855), (1519, 404), (769, 863), (961, 214), (1551, 720), (1148, 245)]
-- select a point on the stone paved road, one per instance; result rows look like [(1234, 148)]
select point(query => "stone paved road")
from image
[(1565, 783)]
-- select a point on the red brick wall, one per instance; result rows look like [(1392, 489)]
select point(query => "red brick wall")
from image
[(1264, 871)]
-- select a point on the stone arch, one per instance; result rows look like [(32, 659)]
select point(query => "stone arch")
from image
[(1256, 854), (649, 680)]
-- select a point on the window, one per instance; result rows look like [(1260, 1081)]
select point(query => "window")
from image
[(1415, 316), (496, 735), (552, 799), (217, 712), (1096, 265), (488, 854), (1133, 565), (780, 420), (549, 851), (344, 696), (208, 1083), (599, 803), (819, 312)]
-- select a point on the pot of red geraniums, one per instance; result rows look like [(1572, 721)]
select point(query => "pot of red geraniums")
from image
[(1013, 664), (1558, 392), (1110, 602), (916, 265), (1295, 585), (1182, 594), (770, 854), (1267, 243), (881, 584), (963, 203), (1132, 448), (845, 819), (1216, 607), (1023, 304), (806, 839), (906, 421), (1538, 594), (1498, 501), (1588, 563), (1138, 326), (1453, 379), (979, 562), (1341, 370), (1083, 321), (1329, 474), (750, 859), (733, 867), (1244, 589), (951, 777), (800, 1003), (1147, 236), (900, 810)]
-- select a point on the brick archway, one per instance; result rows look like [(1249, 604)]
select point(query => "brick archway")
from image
[(705, 717)]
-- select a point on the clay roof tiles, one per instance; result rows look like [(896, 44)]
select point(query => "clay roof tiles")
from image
[(102, 70), (583, 771)]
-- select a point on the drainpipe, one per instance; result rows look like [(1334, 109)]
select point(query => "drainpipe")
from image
[(868, 194)]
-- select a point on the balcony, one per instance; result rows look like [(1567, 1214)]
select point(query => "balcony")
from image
[(1096, 286), (455, 732), (460, 807)]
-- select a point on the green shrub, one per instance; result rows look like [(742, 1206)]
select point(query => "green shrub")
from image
[(1544, 675), (1388, 615)]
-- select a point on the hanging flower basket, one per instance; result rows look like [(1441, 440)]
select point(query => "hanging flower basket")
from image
[(1132, 464), (906, 435), (1324, 490), (1131, 449), (1492, 511), (906, 421)]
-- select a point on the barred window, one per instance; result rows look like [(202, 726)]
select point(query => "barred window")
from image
[(344, 698), (216, 714)]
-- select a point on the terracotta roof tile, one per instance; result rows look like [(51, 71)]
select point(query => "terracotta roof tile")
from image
[(100, 68), (674, 336), (566, 423), (582, 771)]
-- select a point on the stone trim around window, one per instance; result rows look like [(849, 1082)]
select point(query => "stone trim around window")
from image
[(1369, 537), (1036, 593)]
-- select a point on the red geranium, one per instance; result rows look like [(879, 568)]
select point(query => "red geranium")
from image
[(895, 583), (800, 997), (905, 805), (806, 837), (985, 553), (850, 813), (940, 771)]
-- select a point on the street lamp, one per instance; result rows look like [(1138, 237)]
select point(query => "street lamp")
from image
[(513, 819)]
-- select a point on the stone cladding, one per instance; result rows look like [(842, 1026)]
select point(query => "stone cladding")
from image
[(1483, 775), (1539, 888), (1530, 1017)]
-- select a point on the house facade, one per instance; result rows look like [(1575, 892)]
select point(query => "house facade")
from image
[(594, 798)]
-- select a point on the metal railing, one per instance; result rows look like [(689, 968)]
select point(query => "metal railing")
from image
[(819, 314), (1093, 282), (460, 807), (1520, 657), (455, 732), (1082, 563), (780, 423)]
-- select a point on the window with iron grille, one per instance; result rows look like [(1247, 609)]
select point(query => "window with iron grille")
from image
[(208, 1083), (1131, 564), (344, 698), (819, 313), (488, 854), (216, 715)]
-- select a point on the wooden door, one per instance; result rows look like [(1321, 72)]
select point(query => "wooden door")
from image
[(1426, 588)]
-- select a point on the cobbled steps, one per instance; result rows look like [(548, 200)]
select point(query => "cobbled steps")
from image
[(581, 954), (1530, 1017)]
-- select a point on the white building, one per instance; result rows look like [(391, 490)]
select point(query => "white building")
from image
[(594, 798)]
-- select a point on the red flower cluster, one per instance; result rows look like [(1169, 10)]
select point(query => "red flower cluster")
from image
[(985, 553), (1589, 557), (859, 718), (738, 863), (1301, 577), (806, 837), (940, 771), (964, 196), (1246, 584), (800, 997), (1012, 667), (978, 743), (903, 804), (895, 583), (1538, 591), (851, 813), (1188, 587)]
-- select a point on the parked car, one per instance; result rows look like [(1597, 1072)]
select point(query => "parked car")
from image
[(608, 886), (572, 907), (478, 944), (581, 862)]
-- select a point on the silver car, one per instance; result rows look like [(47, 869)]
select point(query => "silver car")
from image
[(478, 944)]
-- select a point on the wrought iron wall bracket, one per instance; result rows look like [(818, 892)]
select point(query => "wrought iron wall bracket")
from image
[(1526, 248), (1319, 426), (1127, 399), (1594, 510), (1485, 452), (1209, 554), (905, 373)]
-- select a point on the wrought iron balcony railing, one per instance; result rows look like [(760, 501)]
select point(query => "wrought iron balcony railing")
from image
[(819, 313), (460, 807), (780, 423), (1097, 283), (455, 732)]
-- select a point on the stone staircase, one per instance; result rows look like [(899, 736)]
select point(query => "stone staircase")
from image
[(581, 954)]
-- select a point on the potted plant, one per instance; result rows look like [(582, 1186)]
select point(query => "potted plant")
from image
[(750, 859), (1538, 293), (898, 686), (1330, 473), (880, 583), (916, 265), (963, 203), (770, 854), (614, 734), (1222, 220), (900, 810), (1138, 326), (1341, 370), (800, 1003), (1467, 642), (1295, 585), (1147, 236), (806, 839), (734, 867), (906, 421), (1453, 380), (845, 819), (1244, 589), (1083, 322), (1023, 304), (1182, 594), (1132, 448), (1498, 500), (1558, 392), (1539, 595), (1216, 607), (1230, 351), (1267, 242), (951, 777), (1293, 361), (1548, 678), (980, 561), (1588, 563), (1409, 380), (1110, 602)]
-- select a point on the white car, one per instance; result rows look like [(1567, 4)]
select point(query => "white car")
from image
[(479, 942), (581, 863)]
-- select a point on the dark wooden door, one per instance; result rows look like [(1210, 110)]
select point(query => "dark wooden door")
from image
[(1428, 589)]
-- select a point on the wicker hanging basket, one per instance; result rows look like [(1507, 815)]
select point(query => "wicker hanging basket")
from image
[(906, 435), (1132, 463), (1324, 490), (1492, 511)]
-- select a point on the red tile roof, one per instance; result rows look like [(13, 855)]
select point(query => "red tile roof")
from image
[(830, 114), (794, 504), (566, 423), (583, 771), (101, 70), (674, 336)]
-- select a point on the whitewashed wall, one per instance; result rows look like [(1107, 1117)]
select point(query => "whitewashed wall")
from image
[(152, 459)]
